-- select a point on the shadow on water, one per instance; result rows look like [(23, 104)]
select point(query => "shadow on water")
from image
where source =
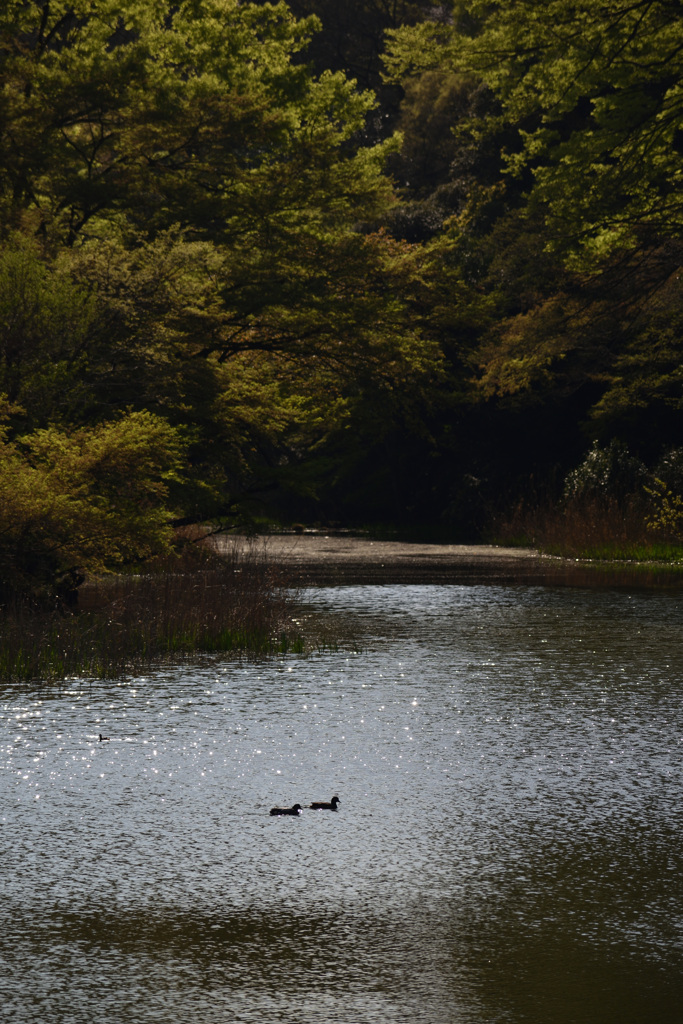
[(541, 572), (554, 975), (285, 965), (567, 942), (534, 963)]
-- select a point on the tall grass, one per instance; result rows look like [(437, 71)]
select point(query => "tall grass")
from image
[(191, 602), (591, 528)]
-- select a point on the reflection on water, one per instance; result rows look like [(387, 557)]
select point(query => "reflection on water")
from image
[(506, 849)]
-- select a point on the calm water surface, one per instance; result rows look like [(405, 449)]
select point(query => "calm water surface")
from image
[(507, 848)]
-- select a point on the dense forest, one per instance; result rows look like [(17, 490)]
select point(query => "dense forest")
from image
[(371, 263)]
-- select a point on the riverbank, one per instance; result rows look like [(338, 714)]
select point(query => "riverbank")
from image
[(337, 559), (188, 604)]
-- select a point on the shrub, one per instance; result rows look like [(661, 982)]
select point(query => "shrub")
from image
[(85, 501), (610, 473)]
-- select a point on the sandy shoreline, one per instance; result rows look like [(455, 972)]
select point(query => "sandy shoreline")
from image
[(329, 559), (316, 548), (317, 559)]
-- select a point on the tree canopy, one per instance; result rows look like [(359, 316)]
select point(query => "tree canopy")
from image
[(180, 201), (570, 221), (385, 263), (593, 95)]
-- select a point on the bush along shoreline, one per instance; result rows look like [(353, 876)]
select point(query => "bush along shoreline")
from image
[(612, 508), (188, 603)]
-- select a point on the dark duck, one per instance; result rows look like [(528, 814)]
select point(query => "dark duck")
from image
[(296, 809), (321, 806)]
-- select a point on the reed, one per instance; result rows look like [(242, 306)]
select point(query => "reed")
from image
[(194, 601), (589, 528)]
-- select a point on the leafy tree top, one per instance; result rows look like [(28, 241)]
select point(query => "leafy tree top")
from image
[(193, 113), (595, 93)]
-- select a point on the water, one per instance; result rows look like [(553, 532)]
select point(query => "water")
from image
[(507, 848)]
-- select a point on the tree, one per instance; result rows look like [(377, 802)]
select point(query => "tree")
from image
[(47, 325), (572, 244), (352, 38), (88, 500), (206, 204), (594, 94)]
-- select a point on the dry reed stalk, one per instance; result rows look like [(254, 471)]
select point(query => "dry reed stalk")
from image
[(195, 601), (580, 528)]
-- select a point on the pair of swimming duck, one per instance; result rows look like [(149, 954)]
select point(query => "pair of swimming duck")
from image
[(317, 806)]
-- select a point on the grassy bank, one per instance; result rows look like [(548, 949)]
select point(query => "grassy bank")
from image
[(596, 529), (192, 602)]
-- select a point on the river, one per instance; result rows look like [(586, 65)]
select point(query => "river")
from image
[(507, 847)]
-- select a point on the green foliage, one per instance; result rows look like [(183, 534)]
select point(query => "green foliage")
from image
[(85, 501), (666, 517), (199, 225), (645, 385), (208, 186), (197, 194), (669, 468), (199, 116), (562, 253), (593, 93), (46, 324), (351, 39)]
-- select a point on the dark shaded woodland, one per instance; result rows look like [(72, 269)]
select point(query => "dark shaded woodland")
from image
[(375, 264)]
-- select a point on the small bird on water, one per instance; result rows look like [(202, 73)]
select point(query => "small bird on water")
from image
[(321, 806), (104, 739), (296, 809)]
